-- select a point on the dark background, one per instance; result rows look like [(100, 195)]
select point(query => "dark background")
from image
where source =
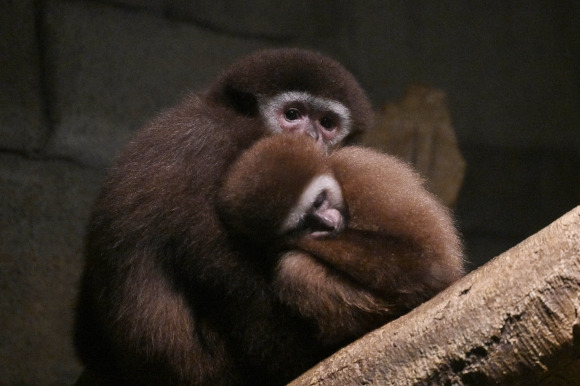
[(77, 78)]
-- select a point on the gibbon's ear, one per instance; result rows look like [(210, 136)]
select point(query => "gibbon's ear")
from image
[(243, 102)]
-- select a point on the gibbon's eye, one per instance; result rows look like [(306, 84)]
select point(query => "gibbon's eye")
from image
[(320, 199), (327, 123), (292, 114)]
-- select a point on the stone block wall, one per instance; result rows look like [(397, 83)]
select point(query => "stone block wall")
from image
[(77, 78)]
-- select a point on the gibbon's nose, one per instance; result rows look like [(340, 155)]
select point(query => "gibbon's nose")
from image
[(312, 131)]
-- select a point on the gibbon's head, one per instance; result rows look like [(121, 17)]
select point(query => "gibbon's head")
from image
[(281, 188), (283, 85)]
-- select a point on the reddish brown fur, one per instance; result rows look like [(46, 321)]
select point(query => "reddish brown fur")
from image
[(400, 246), (400, 242), (256, 203), (167, 297)]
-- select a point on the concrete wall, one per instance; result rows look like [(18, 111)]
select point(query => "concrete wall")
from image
[(77, 78)]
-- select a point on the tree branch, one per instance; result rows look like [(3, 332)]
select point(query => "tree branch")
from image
[(515, 320)]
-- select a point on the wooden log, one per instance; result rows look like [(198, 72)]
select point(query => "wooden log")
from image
[(514, 321)]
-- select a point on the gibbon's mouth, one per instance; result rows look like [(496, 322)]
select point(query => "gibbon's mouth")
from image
[(325, 223)]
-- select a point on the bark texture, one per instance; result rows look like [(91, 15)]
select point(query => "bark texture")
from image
[(514, 321)]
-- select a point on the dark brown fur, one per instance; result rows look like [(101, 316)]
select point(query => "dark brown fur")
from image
[(400, 246), (166, 296)]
